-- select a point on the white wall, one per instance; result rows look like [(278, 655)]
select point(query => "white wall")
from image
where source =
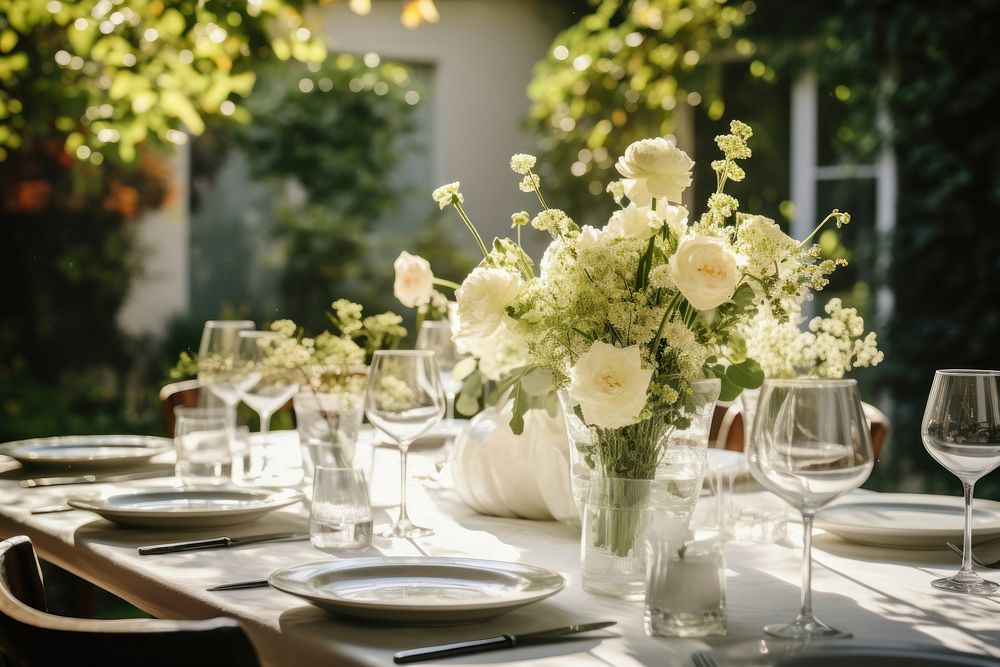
[(161, 291), (482, 53)]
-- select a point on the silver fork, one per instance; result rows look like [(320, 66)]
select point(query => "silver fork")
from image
[(995, 565), (703, 659)]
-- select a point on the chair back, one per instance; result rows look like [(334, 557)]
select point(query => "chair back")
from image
[(31, 636), (728, 433), (186, 393)]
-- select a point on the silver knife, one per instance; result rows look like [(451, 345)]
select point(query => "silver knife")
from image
[(220, 543), (91, 479), (494, 643)]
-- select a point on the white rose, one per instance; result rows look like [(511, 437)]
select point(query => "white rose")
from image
[(482, 300), (610, 385), (414, 280), (705, 270), (663, 169), (636, 221)]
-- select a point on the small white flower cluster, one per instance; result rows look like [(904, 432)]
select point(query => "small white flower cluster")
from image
[(522, 163), (830, 347), (447, 195)]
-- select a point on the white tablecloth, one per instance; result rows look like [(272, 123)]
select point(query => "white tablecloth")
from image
[(877, 594)]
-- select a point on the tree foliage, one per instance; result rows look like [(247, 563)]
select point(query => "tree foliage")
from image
[(105, 76)]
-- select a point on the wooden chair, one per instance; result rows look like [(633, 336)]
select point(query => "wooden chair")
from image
[(727, 427), (186, 393), (30, 636)]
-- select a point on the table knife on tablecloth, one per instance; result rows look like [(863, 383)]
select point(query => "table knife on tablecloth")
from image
[(220, 543), (91, 479), (494, 643)]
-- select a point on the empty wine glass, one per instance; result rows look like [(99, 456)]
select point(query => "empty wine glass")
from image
[(404, 401), (435, 335), (219, 339), (263, 387), (961, 430), (810, 445)]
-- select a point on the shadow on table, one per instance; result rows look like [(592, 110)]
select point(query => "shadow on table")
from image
[(385, 639), (755, 598), (928, 557), (101, 531)]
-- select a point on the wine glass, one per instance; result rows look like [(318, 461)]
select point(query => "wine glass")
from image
[(263, 387), (961, 430), (404, 401), (810, 444), (219, 339), (435, 335)]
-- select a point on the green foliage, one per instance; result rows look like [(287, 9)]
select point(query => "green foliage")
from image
[(104, 77), (338, 131)]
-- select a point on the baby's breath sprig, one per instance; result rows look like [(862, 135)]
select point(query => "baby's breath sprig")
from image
[(841, 217), (523, 163), (449, 195), (734, 147)]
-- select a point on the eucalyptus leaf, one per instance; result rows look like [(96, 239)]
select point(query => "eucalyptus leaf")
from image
[(464, 369), (746, 374), (538, 382)]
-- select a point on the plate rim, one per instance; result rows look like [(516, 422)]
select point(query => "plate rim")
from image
[(275, 499), (898, 531), (348, 564), (154, 443)]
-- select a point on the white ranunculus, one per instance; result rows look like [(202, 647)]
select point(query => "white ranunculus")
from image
[(482, 300), (675, 218), (705, 270), (414, 280), (610, 385), (589, 239), (663, 169), (636, 221)]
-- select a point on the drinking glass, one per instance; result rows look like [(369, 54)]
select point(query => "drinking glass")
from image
[(961, 430), (219, 339), (262, 387), (404, 401), (810, 445), (341, 513), (435, 335), (202, 438)]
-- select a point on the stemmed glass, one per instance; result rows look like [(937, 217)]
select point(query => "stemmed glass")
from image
[(404, 401), (265, 389), (961, 430), (435, 335), (810, 444), (219, 340)]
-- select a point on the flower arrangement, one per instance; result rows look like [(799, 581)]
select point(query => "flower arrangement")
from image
[(332, 362), (623, 319)]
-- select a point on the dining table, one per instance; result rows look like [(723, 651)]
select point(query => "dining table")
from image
[(879, 594)]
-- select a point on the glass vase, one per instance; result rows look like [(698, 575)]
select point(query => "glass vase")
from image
[(621, 513), (328, 425)]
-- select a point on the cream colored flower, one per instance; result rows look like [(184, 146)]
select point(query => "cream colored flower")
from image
[(636, 221), (522, 163), (705, 270), (414, 282), (610, 385), (675, 218), (663, 169), (447, 194), (482, 300), (589, 239)]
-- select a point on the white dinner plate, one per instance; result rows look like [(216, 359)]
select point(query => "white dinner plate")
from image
[(439, 434), (414, 590), (910, 520), (836, 653), (92, 451), (168, 507)]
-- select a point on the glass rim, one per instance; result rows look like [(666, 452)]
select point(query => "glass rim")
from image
[(228, 324), (804, 383), (403, 353), (259, 334), (966, 372)]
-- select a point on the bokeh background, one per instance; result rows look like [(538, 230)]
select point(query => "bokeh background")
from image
[(163, 162)]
